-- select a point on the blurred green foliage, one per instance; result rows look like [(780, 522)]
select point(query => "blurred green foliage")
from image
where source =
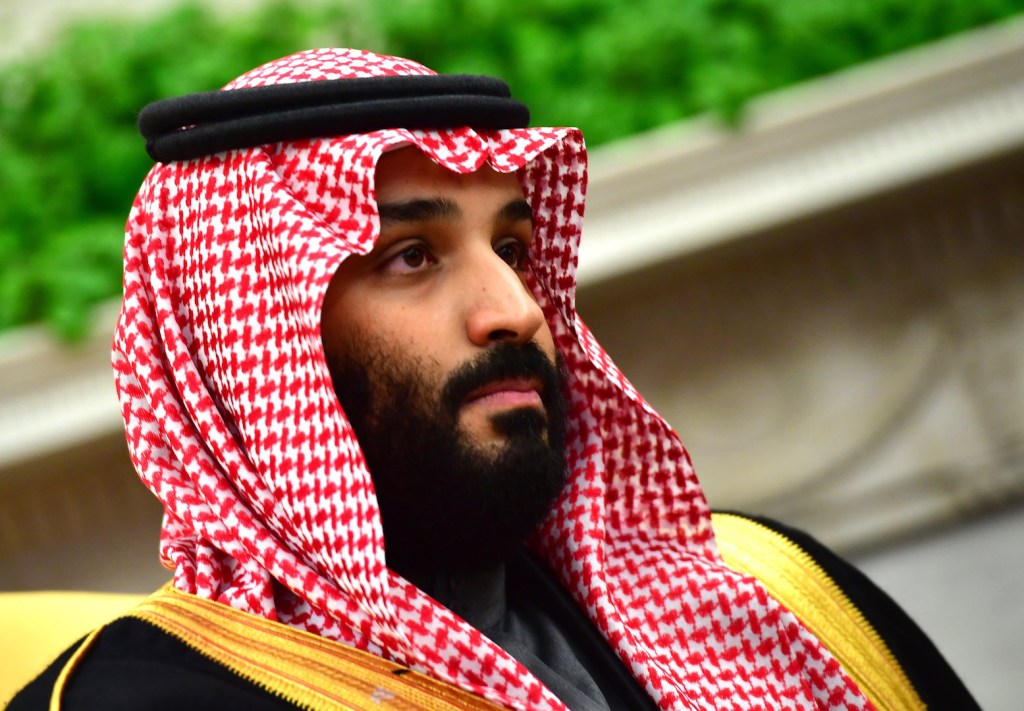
[(71, 160), (617, 67)]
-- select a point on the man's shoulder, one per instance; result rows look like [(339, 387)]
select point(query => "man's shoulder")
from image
[(874, 639), (175, 650), (132, 664)]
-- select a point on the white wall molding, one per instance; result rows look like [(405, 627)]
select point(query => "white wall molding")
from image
[(53, 395), (817, 146)]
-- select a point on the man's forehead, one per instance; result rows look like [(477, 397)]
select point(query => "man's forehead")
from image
[(407, 174)]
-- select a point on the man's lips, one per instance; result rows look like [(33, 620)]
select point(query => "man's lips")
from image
[(515, 392)]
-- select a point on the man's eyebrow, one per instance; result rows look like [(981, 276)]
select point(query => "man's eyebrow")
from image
[(445, 209), (418, 210), (515, 211)]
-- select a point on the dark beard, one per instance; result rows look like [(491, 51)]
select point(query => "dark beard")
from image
[(448, 504)]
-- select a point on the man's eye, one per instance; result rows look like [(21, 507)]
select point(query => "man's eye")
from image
[(410, 259), (513, 253)]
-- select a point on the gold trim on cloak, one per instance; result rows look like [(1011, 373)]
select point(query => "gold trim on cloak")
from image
[(792, 577), (300, 667)]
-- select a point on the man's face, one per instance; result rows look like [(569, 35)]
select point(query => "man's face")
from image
[(445, 365)]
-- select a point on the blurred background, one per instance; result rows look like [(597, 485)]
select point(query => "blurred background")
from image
[(804, 245)]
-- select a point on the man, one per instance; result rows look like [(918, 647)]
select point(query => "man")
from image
[(351, 369)]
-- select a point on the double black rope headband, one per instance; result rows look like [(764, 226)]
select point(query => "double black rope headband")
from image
[(194, 125)]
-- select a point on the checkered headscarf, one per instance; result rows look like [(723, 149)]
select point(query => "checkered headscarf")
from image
[(233, 423)]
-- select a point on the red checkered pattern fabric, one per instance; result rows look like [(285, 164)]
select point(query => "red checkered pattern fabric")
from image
[(232, 422)]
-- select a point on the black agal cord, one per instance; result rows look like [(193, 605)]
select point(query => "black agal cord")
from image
[(194, 125)]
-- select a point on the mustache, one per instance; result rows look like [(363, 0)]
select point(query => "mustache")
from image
[(502, 362)]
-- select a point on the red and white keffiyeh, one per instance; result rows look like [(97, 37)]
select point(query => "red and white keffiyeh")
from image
[(232, 422)]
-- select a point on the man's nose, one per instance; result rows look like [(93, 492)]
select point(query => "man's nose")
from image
[(499, 306)]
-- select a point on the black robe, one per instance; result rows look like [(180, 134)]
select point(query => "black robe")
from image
[(133, 664)]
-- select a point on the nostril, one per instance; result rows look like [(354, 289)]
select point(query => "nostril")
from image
[(502, 334)]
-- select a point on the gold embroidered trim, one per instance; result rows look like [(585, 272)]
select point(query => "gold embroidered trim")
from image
[(69, 669), (792, 577), (303, 668)]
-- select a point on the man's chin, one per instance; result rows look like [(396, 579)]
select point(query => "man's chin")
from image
[(523, 423), (472, 509), (496, 425)]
